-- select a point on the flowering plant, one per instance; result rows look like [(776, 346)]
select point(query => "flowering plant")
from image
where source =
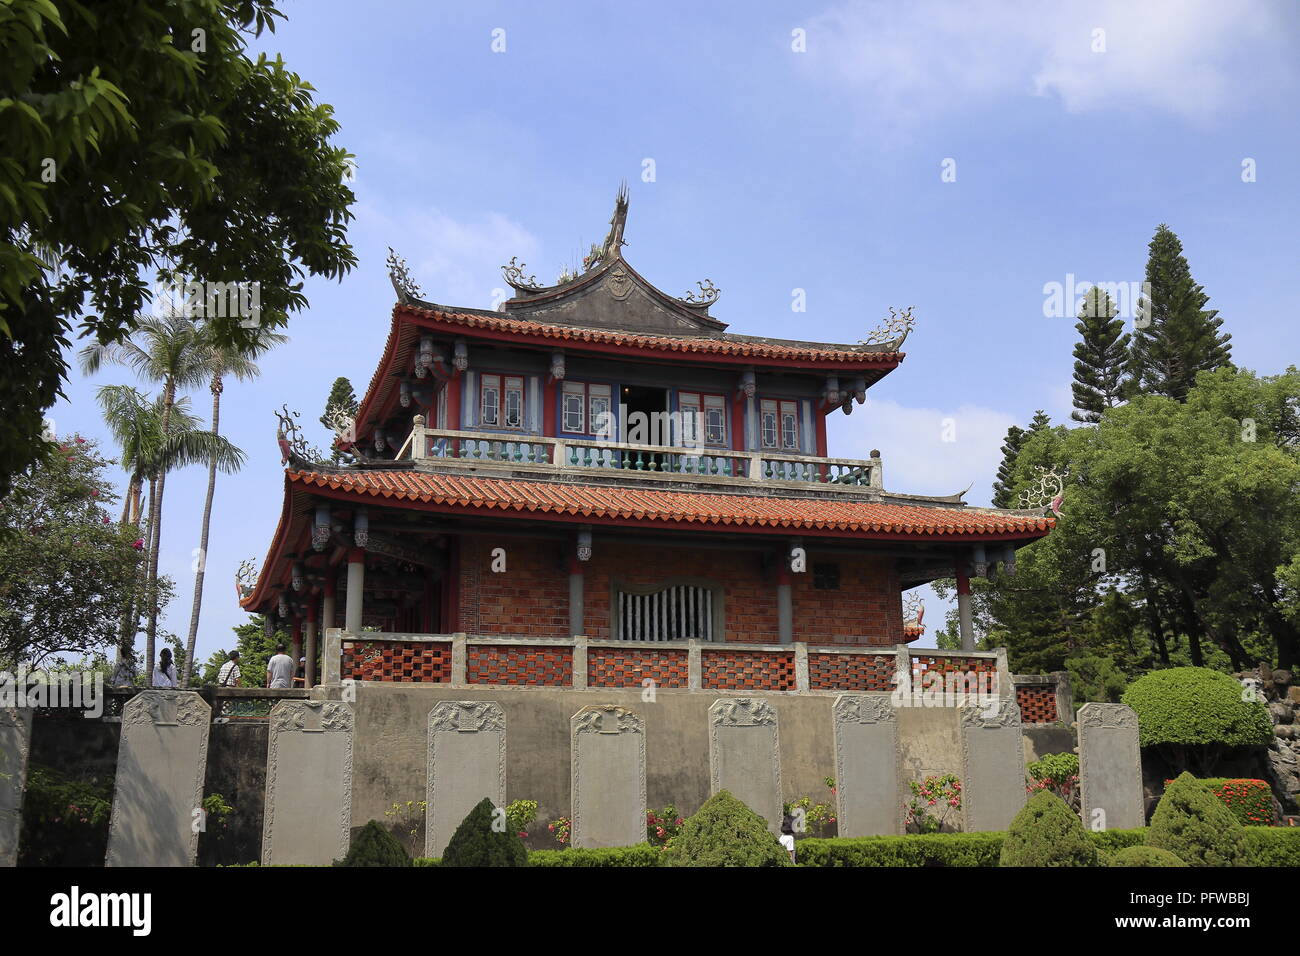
[(661, 827), (933, 799), (561, 828)]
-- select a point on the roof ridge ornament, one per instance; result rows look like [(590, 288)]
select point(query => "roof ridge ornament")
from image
[(513, 271), (294, 449), (400, 276), (708, 295), (1046, 492), (893, 331)]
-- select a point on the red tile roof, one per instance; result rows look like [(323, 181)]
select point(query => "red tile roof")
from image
[(473, 493), (721, 344)]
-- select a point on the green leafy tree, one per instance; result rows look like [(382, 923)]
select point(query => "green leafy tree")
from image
[(1195, 825), (1099, 357), (138, 138), (725, 832), (340, 407), (224, 360), (136, 423), (1046, 832), (67, 569), (1179, 337)]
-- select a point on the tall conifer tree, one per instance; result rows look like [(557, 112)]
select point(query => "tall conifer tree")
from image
[(1099, 357), (1003, 496), (1181, 336)]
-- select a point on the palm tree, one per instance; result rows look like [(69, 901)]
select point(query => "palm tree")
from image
[(135, 421), (168, 350), (224, 359)]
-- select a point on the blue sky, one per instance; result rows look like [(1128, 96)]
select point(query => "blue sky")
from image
[(776, 170)]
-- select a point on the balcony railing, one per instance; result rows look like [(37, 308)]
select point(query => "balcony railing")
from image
[(472, 450)]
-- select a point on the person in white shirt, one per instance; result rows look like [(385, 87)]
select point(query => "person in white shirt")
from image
[(164, 672), (228, 676), (279, 669)]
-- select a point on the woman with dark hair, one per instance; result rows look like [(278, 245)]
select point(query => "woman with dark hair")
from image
[(164, 672), (787, 833)]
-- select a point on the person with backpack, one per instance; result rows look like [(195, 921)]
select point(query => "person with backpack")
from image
[(228, 676)]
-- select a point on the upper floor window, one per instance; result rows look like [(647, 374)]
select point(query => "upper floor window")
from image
[(585, 409), (779, 424), (704, 419), (501, 401)]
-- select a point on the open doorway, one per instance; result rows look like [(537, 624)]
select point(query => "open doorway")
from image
[(644, 420)]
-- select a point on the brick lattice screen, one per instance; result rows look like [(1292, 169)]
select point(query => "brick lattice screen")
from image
[(615, 667), (852, 671), (421, 662), (747, 670), (519, 664), (1037, 704)]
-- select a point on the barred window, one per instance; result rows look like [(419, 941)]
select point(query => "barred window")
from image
[(674, 613)]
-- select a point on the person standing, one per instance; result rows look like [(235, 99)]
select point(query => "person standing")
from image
[(279, 669), (229, 674), (164, 672)]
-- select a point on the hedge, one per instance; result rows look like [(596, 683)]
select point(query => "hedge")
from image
[(1265, 846), (1251, 801), (1195, 706)]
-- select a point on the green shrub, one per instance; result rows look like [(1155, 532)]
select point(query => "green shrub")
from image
[(643, 854), (1046, 832), (65, 819), (1145, 856), (426, 861), (1272, 846), (1192, 713), (1251, 801), (725, 832), (1195, 826), (477, 843), (375, 846), (913, 849), (1113, 841), (1058, 774)]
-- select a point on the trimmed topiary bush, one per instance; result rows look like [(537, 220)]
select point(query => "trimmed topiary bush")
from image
[(375, 846), (1046, 832), (1194, 825), (725, 832), (1145, 856), (1272, 846), (1191, 714), (477, 843)]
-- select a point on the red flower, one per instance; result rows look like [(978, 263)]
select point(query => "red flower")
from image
[(138, 543)]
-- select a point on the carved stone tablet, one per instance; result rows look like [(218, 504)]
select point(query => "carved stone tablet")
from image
[(607, 763), (15, 745), (868, 766), (1110, 767), (745, 754), (466, 762), (993, 765), (307, 818), (162, 757)]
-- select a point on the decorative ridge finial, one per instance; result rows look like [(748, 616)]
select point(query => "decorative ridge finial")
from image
[(708, 295), (891, 333), (293, 443), (1047, 491), (514, 275), (400, 276)]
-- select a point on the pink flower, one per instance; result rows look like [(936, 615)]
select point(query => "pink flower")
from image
[(105, 519), (138, 543), (81, 441), (678, 822)]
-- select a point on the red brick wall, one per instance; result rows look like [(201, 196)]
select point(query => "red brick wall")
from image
[(851, 671), (529, 599), (747, 670), (867, 608), (616, 667), (427, 662), (519, 664), (1037, 704), (749, 599)]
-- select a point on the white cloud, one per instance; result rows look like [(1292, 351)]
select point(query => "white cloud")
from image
[(915, 456), (905, 64), (454, 261)]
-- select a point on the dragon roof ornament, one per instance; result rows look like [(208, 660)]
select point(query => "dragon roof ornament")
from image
[(1046, 492), (513, 271), (708, 295), (891, 333), (294, 449), (400, 276)]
